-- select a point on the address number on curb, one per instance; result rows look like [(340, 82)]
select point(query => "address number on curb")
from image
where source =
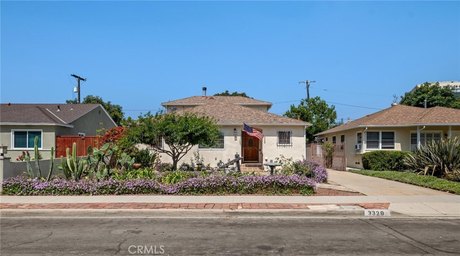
[(377, 213)]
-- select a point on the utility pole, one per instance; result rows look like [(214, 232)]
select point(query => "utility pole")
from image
[(79, 78), (307, 86)]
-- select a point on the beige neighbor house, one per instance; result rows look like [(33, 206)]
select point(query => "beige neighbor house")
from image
[(281, 135), (21, 123), (396, 128)]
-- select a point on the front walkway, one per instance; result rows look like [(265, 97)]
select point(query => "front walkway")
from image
[(373, 186)]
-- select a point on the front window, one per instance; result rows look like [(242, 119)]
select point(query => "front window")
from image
[(373, 140), (425, 138), (342, 139), (284, 138), (359, 138), (25, 139), (218, 144), (388, 140), (334, 139)]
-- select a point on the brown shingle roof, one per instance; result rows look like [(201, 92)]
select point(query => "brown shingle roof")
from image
[(232, 114), (401, 115), (46, 114), (203, 100)]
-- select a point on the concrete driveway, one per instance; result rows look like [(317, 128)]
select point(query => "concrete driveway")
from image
[(404, 198), (373, 186)]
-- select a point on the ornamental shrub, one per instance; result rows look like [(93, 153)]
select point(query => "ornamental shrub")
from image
[(382, 160), (437, 158), (216, 184), (306, 168)]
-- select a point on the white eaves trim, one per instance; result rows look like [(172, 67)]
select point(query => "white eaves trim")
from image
[(37, 124)]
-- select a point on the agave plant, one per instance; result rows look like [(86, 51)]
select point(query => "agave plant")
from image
[(437, 158)]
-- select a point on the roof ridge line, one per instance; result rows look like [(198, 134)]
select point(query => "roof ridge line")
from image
[(56, 116), (52, 119)]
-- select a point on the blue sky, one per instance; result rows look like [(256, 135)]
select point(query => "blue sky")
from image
[(139, 54)]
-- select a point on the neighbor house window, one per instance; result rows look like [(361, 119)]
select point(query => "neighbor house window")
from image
[(373, 140), (425, 137), (285, 138), (380, 140), (218, 144), (334, 139), (342, 139), (25, 139), (359, 138), (388, 140)]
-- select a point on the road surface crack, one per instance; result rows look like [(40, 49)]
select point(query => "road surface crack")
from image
[(31, 242), (408, 239)]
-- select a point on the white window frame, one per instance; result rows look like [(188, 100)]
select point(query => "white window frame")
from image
[(357, 142), (26, 130), (278, 138), (380, 140), (423, 132)]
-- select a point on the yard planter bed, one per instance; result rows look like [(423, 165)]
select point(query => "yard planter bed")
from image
[(277, 184)]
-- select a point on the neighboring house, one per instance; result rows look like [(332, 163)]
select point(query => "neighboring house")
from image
[(21, 123), (281, 135), (396, 128)]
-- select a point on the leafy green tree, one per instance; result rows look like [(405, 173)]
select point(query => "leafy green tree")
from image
[(227, 93), (180, 132), (115, 111), (434, 95), (315, 111)]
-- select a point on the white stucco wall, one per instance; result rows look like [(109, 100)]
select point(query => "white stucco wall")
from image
[(232, 145)]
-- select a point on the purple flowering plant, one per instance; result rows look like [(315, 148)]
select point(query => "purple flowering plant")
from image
[(213, 184)]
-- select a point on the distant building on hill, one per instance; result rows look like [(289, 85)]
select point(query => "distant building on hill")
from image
[(455, 85)]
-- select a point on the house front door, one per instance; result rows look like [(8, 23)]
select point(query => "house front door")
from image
[(250, 148)]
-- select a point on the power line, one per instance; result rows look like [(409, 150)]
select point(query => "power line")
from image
[(330, 102)]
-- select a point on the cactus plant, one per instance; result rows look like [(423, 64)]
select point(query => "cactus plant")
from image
[(37, 156), (28, 164), (51, 164), (72, 166)]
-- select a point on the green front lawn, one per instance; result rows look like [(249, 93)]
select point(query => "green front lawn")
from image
[(415, 179)]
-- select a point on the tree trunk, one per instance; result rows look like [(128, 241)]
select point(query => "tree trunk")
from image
[(174, 163)]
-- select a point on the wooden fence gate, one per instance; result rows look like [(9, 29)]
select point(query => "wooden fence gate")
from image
[(83, 142), (316, 154)]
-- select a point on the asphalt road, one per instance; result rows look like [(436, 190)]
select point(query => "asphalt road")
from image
[(125, 235)]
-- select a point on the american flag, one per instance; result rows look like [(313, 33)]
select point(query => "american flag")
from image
[(252, 132)]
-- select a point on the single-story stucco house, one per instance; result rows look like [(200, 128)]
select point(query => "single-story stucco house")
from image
[(396, 128), (279, 135), (21, 123)]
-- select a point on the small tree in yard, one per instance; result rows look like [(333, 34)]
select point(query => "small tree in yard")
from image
[(180, 133)]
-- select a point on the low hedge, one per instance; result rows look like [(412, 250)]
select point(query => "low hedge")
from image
[(382, 160), (276, 184)]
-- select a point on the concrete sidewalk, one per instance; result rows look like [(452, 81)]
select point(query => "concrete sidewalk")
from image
[(415, 206), (403, 198)]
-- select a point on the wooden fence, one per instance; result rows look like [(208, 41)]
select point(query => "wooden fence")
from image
[(316, 154), (83, 142)]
